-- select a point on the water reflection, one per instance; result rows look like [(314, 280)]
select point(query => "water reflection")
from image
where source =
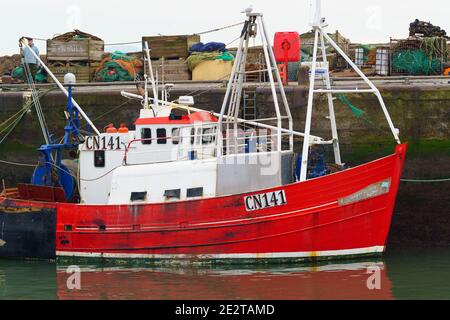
[(332, 281), (404, 274)]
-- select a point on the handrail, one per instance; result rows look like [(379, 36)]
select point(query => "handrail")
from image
[(234, 138)]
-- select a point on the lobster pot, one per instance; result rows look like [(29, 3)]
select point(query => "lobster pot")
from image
[(382, 62), (359, 56), (418, 56)]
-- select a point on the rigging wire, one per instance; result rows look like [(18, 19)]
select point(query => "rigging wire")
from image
[(37, 103), (13, 125), (122, 43), (219, 29), (18, 116), (232, 41), (14, 122), (137, 42), (13, 117), (110, 111)]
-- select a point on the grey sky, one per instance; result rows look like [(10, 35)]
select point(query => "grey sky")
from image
[(124, 21)]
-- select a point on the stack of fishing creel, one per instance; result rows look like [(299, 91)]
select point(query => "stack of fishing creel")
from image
[(365, 55), (419, 55), (118, 66), (424, 52), (210, 62)]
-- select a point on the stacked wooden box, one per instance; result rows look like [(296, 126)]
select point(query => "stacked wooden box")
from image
[(169, 54), (75, 52)]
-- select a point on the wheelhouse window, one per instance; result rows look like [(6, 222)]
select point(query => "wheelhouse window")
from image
[(194, 192), (172, 194), (176, 138), (208, 136), (161, 135), (146, 135), (138, 196)]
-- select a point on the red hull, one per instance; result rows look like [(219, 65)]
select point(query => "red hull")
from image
[(314, 223)]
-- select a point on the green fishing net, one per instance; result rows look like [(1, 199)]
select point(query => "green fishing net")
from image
[(40, 76), (111, 72), (415, 62), (356, 111), (198, 57)]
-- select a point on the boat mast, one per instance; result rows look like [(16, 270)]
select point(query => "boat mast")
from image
[(232, 99), (152, 78), (318, 24), (24, 42)]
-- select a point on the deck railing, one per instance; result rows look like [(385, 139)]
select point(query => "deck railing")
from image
[(201, 143)]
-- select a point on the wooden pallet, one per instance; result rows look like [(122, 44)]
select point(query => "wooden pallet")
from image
[(84, 71), (171, 70), (75, 50), (170, 46)]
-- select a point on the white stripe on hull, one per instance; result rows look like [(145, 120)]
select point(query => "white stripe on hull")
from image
[(282, 255)]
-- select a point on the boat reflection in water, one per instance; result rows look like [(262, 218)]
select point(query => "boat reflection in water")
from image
[(331, 281)]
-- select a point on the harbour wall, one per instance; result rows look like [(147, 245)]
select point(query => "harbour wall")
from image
[(421, 113)]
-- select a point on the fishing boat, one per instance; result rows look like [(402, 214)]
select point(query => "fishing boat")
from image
[(204, 186)]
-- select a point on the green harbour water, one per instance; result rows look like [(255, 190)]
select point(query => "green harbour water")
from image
[(401, 274)]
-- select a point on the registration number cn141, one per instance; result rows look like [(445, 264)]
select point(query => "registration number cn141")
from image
[(265, 200)]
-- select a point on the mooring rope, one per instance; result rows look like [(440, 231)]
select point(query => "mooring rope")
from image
[(425, 180), (18, 164)]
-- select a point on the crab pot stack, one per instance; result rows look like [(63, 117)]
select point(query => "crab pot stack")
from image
[(418, 56), (75, 52), (335, 60), (255, 62), (169, 54)]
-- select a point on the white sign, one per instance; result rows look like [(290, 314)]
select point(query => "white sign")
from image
[(103, 143), (265, 200)]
